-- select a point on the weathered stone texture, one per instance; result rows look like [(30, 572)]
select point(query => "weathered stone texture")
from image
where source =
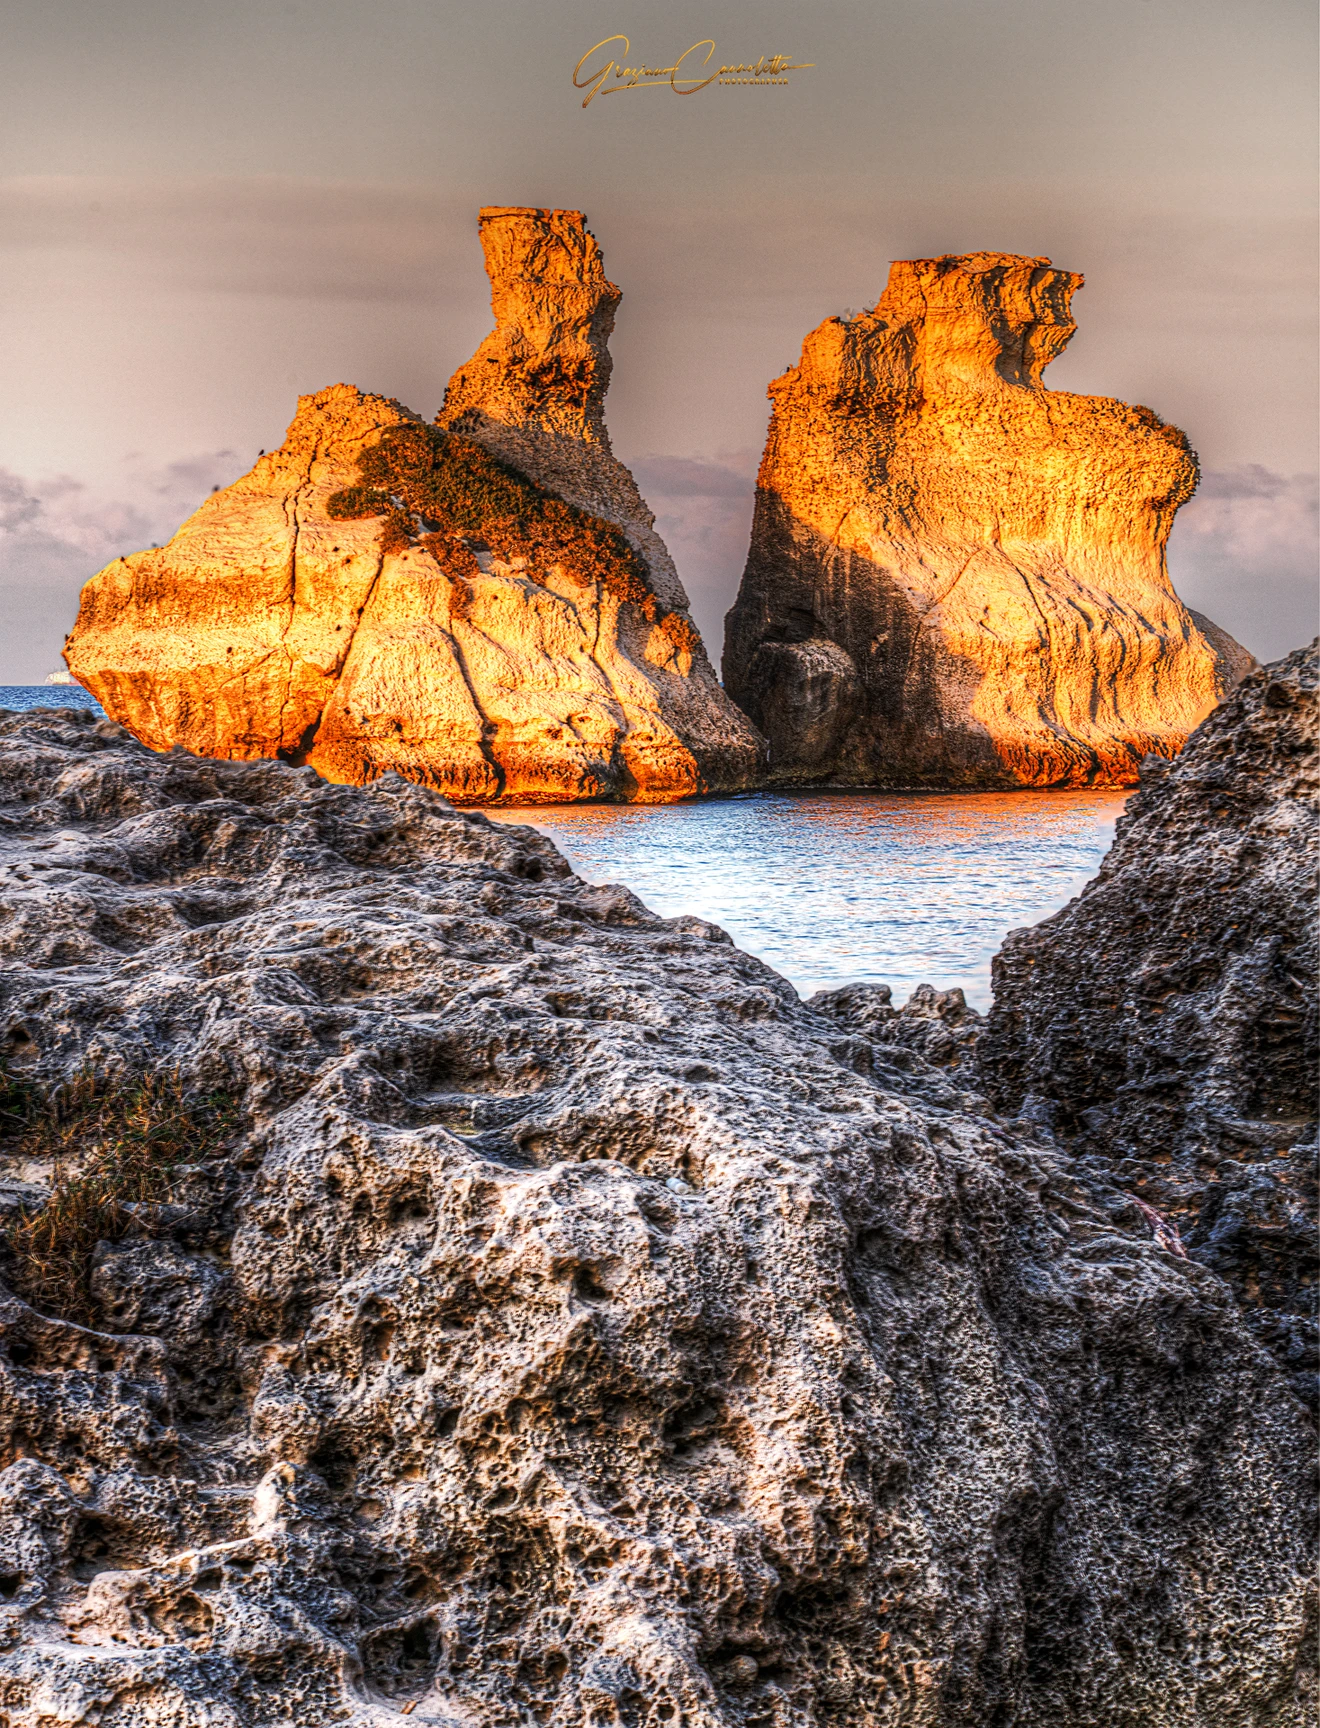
[(534, 392), (582, 1331), (270, 627), (1165, 1021), (957, 577)]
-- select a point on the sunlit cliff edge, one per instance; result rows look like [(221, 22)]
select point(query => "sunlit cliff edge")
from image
[(497, 625), (956, 576)]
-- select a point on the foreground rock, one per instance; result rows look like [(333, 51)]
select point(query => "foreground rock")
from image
[(1165, 1021), (491, 614), (957, 577), (581, 1330)]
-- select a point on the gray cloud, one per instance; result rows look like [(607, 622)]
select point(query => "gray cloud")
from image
[(1244, 551), (694, 477), (263, 235), (703, 509), (55, 533)]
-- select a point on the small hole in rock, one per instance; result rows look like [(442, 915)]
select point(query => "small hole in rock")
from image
[(587, 1289)]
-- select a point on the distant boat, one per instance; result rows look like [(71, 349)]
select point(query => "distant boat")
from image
[(59, 678)]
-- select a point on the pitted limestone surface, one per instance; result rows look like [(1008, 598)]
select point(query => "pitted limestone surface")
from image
[(581, 1331), (1164, 1023)]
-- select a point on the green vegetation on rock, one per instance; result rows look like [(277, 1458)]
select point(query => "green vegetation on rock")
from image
[(115, 1149), (451, 496)]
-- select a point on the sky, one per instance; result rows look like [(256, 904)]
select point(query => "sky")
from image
[(208, 209)]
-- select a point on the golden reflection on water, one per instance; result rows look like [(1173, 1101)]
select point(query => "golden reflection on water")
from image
[(831, 888)]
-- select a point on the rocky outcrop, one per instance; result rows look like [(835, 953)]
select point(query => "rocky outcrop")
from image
[(957, 577), (935, 1025), (534, 392), (491, 616), (576, 1328), (1165, 1022)]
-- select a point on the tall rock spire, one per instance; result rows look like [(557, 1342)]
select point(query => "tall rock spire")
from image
[(545, 367), (534, 392), (956, 576)]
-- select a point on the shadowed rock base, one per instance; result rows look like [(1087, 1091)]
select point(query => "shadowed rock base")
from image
[(1165, 1022)]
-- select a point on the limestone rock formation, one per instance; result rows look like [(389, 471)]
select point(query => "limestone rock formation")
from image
[(378, 595), (1165, 1021), (578, 1329), (935, 1025), (534, 392), (957, 577)]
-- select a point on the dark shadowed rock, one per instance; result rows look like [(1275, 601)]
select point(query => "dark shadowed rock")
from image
[(1165, 1021), (579, 1330), (935, 1025)]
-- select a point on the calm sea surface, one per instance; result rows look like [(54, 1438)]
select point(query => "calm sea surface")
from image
[(829, 888), (47, 696), (833, 888)]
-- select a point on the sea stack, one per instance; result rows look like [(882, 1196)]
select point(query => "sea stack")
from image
[(482, 606), (957, 577)]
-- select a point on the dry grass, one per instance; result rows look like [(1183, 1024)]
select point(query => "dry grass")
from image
[(445, 491), (114, 1147)]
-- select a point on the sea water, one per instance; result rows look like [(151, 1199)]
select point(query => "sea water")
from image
[(828, 888), (836, 888), (47, 696)]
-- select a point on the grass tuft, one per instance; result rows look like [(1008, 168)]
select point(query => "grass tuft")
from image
[(114, 1147)]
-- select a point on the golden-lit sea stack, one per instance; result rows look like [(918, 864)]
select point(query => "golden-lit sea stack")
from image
[(956, 576), (281, 620)]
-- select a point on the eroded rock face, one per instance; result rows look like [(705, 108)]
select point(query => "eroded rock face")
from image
[(1165, 1022), (957, 577), (534, 392), (281, 621), (534, 395), (581, 1330)]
